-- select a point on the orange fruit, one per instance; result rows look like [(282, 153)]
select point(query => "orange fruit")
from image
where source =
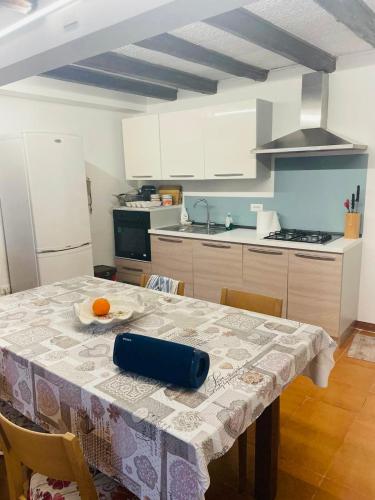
[(101, 307)]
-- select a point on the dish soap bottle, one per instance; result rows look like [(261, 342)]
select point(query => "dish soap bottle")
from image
[(228, 222)]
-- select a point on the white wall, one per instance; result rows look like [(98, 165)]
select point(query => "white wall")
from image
[(351, 113), (102, 138)]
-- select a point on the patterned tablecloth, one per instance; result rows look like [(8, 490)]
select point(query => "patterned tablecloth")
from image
[(156, 440)]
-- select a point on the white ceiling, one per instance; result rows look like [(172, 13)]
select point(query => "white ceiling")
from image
[(303, 18), (309, 21)]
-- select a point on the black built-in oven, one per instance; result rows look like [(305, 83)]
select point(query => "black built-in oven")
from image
[(132, 240)]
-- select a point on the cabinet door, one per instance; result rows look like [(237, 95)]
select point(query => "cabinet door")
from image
[(265, 271), (216, 266), (130, 271), (142, 147), (173, 257), (182, 148), (230, 134), (314, 289)]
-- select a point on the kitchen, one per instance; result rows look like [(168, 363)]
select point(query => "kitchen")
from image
[(183, 143)]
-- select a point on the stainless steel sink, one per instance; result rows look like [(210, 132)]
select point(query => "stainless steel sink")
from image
[(195, 229)]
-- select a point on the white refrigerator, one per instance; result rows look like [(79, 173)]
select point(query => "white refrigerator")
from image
[(44, 208)]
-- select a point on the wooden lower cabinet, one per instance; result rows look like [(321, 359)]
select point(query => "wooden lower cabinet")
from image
[(265, 271), (173, 257), (216, 266), (130, 271), (314, 289)]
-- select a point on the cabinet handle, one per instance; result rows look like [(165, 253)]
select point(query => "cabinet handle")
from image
[(229, 175), (181, 175), (135, 270), (213, 245), (169, 241), (142, 176), (314, 257), (268, 252)]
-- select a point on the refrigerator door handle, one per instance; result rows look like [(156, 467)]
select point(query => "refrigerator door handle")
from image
[(69, 247)]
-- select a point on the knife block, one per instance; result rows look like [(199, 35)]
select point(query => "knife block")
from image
[(352, 225)]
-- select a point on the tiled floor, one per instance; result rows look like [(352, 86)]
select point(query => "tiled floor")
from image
[(327, 440)]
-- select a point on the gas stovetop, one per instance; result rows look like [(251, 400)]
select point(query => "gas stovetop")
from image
[(301, 235)]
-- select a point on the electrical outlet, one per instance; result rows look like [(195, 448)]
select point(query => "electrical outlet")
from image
[(256, 207)]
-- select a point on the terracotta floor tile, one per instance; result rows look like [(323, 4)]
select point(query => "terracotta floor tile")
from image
[(290, 402), (289, 487), (372, 389), (354, 464), (302, 386), (299, 471), (369, 406), (358, 375), (314, 434), (330, 490), (342, 395)]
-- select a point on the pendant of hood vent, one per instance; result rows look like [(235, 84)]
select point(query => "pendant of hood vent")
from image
[(313, 135)]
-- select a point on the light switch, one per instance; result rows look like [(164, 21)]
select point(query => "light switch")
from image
[(256, 207)]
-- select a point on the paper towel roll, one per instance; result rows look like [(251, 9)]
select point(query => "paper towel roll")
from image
[(267, 222)]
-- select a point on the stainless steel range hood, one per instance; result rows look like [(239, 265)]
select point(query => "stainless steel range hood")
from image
[(313, 135)]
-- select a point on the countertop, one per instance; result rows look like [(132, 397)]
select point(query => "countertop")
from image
[(249, 237)]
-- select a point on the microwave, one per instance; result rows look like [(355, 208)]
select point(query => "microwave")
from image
[(131, 226)]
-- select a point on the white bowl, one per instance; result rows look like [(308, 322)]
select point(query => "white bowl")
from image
[(122, 309)]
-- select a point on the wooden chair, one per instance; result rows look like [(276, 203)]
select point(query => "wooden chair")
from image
[(252, 302), (145, 277), (48, 456), (260, 304)]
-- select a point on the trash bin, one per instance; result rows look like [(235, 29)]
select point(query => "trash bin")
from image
[(105, 272)]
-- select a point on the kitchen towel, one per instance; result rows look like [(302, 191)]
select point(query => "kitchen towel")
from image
[(162, 284)]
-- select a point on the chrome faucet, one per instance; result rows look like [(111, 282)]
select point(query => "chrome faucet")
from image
[(204, 202)]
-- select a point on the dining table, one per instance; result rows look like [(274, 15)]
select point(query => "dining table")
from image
[(156, 439)]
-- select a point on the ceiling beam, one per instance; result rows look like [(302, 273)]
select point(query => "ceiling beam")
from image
[(177, 47), (254, 29), (85, 29), (122, 65), (84, 76), (355, 14)]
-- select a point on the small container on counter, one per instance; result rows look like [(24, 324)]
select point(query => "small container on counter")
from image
[(167, 200), (228, 222)]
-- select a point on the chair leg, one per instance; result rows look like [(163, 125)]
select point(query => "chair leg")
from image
[(242, 462)]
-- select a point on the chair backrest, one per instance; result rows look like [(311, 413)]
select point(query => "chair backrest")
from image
[(252, 302), (145, 277), (57, 456)]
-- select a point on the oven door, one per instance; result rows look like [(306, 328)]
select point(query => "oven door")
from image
[(132, 240)]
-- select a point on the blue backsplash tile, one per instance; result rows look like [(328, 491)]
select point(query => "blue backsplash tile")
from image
[(309, 194)]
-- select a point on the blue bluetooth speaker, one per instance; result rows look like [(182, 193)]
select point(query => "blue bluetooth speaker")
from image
[(163, 360)]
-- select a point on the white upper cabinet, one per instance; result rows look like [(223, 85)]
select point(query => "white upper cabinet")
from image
[(182, 144), (206, 143), (142, 147), (231, 132)]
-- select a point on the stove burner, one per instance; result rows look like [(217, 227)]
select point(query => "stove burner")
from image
[(300, 235)]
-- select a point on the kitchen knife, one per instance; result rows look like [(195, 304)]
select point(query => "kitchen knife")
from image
[(353, 202), (357, 198)]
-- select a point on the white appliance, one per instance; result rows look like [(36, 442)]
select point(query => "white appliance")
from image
[(44, 208)]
